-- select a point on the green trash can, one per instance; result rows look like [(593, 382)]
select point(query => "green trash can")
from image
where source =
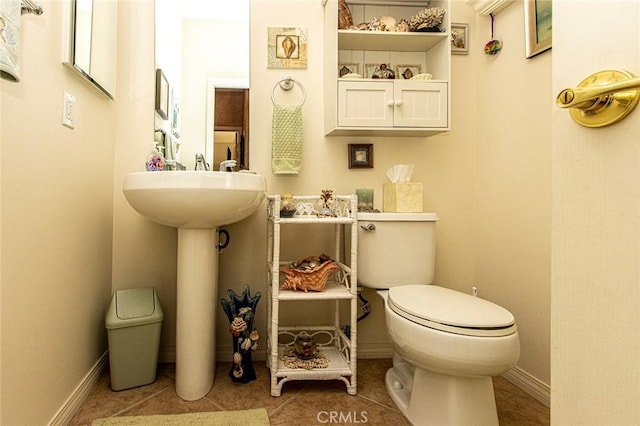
[(133, 322)]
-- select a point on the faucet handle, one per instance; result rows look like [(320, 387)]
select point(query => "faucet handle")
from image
[(227, 163), (200, 163)]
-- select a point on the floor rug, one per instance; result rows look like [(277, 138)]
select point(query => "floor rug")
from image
[(256, 417)]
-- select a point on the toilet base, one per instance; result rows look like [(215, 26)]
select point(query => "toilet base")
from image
[(438, 399)]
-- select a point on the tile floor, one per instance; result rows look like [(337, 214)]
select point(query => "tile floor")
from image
[(301, 402)]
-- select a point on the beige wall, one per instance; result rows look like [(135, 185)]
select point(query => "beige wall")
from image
[(57, 226), (58, 271), (512, 184)]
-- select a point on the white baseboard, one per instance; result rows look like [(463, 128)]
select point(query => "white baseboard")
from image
[(529, 384), (520, 378), (167, 354), (375, 351), (80, 393)]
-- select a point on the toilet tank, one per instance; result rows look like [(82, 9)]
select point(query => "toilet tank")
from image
[(396, 249)]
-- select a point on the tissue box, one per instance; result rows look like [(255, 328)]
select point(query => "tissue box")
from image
[(402, 197)]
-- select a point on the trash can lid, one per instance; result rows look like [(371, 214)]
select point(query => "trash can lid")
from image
[(135, 303), (133, 307)]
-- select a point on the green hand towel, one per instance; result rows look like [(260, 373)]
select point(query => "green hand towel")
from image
[(286, 139)]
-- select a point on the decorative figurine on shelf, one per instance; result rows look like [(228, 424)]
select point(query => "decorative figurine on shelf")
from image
[(305, 346), (344, 15), (384, 72), (240, 311), (287, 207), (327, 201)]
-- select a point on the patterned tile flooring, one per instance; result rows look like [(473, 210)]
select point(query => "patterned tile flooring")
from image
[(301, 402)]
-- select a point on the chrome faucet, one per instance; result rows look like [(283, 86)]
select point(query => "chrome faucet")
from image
[(227, 163), (200, 163)]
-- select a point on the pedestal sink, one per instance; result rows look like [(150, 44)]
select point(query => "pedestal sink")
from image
[(196, 203)]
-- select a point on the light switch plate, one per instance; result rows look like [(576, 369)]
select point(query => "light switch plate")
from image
[(68, 110)]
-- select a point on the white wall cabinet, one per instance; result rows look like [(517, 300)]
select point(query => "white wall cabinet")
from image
[(394, 103), (374, 107)]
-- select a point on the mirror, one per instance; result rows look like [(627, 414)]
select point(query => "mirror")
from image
[(202, 48), (89, 42)]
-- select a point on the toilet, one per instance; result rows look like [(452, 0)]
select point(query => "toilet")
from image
[(447, 344)]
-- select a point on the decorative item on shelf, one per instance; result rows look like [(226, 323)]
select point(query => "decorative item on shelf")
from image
[(384, 72), (407, 72), (305, 346), (240, 311), (402, 26), (365, 199), (291, 360), (345, 69), (287, 206), (344, 15), (327, 200), (310, 273), (387, 23), (427, 20), (305, 209)]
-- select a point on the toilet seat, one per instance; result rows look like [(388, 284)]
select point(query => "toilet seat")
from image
[(451, 311)]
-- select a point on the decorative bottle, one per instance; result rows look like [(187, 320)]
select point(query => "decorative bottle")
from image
[(155, 160)]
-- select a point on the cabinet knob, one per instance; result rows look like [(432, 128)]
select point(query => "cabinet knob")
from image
[(399, 103), (391, 103)]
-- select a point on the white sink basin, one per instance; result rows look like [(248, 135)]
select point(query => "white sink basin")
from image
[(196, 203), (194, 199)]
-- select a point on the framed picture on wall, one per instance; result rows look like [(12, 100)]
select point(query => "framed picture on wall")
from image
[(537, 26), (360, 156), (459, 39), (162, 94), (286, 47)]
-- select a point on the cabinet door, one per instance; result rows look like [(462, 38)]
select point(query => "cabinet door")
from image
[(420, 104), (365, 103)]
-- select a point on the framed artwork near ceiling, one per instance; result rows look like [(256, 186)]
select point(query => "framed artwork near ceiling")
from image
[(162, 94), (459, 39), (537, 26)]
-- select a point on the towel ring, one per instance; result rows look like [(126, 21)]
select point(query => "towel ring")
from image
[(286, 84)]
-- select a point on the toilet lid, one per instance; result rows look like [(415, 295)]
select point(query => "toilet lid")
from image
[(451, 311)]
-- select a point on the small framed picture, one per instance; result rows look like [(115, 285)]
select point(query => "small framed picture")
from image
[(383, 71), (405, 72), (459, 39), (162, 94), (344, 69), (360, 156)]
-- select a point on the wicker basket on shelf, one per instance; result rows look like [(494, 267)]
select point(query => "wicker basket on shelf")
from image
[(314, 279)]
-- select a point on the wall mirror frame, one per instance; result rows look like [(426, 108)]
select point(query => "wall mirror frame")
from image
[(203, 49), (89, 42)]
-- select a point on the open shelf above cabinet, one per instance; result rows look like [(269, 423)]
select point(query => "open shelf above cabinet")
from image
[(388, 41)]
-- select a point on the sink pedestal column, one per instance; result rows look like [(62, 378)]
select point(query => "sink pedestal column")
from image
[(197, 290)]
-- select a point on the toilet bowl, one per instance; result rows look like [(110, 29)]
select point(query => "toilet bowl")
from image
[(446, 344)]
